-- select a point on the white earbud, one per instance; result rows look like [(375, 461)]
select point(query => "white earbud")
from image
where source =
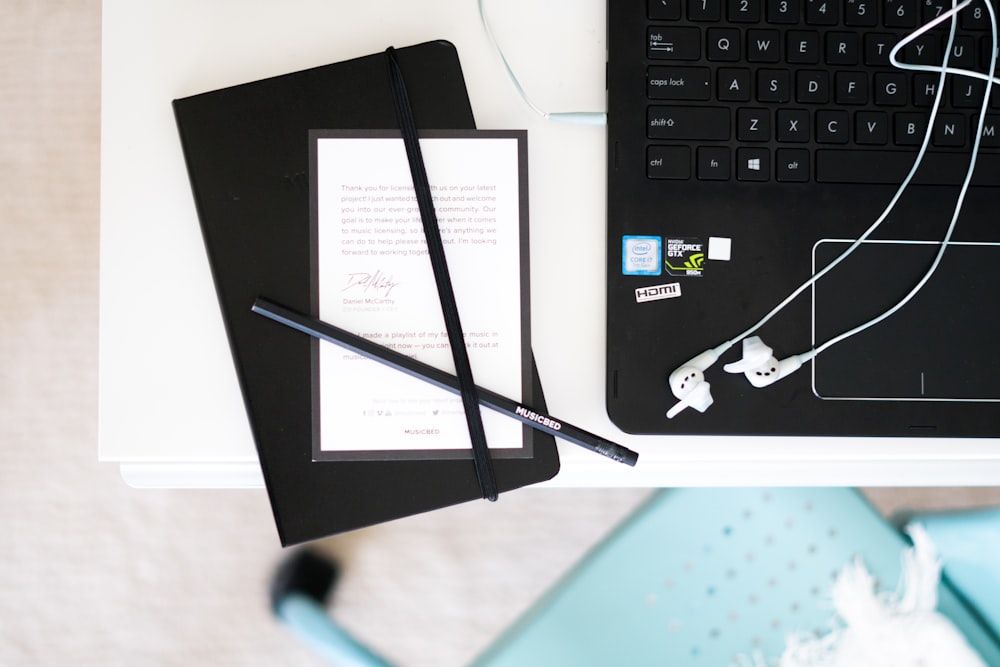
[(689, 386), (759, 364)]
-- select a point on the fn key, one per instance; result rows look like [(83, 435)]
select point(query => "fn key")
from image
[(671, 162)]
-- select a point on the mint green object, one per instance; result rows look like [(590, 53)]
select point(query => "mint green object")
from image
[(969, 544), (309, 620), (699, 576)]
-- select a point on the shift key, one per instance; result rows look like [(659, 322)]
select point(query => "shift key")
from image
[(688, 123)]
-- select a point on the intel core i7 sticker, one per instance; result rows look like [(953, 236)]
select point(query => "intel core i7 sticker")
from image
[(684, 257), (642, 255)]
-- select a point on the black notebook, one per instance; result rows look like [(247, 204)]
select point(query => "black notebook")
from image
[(247, 153)]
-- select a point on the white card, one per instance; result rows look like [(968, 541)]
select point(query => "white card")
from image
[(375, 279)]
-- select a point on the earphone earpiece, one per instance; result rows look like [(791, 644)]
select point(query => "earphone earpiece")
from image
[(759, 364), (689, 386)]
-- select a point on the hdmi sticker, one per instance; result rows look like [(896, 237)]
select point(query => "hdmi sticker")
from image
[(684, 257), (657, 292), (641, 255)]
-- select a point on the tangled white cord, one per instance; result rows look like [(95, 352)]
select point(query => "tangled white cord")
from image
[(943, 71)]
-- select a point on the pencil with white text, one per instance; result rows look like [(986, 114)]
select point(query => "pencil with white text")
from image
[(523, 413)]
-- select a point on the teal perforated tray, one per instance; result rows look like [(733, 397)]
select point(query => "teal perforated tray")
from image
[(697, 576)]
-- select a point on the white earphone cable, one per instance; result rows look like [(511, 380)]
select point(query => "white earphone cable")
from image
[(959, 200), (942, 71), (578, 117)]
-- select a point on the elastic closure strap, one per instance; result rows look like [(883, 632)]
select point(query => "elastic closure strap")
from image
[(453, 325)]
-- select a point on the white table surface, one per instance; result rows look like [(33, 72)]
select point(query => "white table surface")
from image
[(170, 408)]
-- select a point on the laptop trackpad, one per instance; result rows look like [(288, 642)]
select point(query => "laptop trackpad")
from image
[(942, 345)]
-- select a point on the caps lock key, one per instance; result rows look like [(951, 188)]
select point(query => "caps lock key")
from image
[(678, 83)]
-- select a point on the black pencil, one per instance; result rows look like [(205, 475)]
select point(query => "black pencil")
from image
[(437, 377)]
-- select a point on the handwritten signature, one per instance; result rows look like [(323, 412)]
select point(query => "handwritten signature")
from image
[(376, 282)]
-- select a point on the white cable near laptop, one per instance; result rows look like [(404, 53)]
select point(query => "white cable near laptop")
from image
[(758, 364), (578, 117)]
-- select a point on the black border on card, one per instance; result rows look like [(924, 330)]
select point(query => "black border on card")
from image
[(526, 450)]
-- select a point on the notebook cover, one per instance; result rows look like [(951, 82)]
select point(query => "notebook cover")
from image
[(247, 154)]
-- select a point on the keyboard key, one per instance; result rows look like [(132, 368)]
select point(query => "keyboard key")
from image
[(950, 130), (812, 87), (871, 128), (833, 126), (984, 55), (967, 93), (668, 162), (842, 48), (793, 125), (678, 83), (891, 89), (860, 13), (774, 85), (690, 123), (663, 10), (925, 86), (744, 11), (763, 46), (705, 10), (783, 11), (974, 17), (802, 48), (877, 49), (791, 165), (991, 132), (910, 128), (822, 12), (753, 125), (963, 52), (900, 14), (713, 163), (931, 9), (734, 85), (753, 164), (851, 88), (724, 44), (924, 50), (891, 167), (673, 43)]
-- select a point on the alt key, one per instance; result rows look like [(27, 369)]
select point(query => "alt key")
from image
[(792, 165)]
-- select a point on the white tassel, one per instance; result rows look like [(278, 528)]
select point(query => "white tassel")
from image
[(900, 629)]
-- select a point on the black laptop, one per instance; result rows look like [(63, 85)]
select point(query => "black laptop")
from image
[(750, 142)]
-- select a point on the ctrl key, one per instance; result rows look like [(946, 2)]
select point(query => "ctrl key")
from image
[(668, 162)]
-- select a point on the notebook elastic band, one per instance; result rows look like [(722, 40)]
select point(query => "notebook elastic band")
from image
[(435, 248)]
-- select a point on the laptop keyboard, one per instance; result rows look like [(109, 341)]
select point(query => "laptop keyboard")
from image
[(797, 91)]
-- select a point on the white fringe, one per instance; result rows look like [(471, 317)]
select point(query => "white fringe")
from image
[(891, 629)]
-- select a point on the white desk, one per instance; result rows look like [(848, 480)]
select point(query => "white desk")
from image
[(170, 407)]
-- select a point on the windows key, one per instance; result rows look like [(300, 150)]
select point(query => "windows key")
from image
[(753, 164)]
